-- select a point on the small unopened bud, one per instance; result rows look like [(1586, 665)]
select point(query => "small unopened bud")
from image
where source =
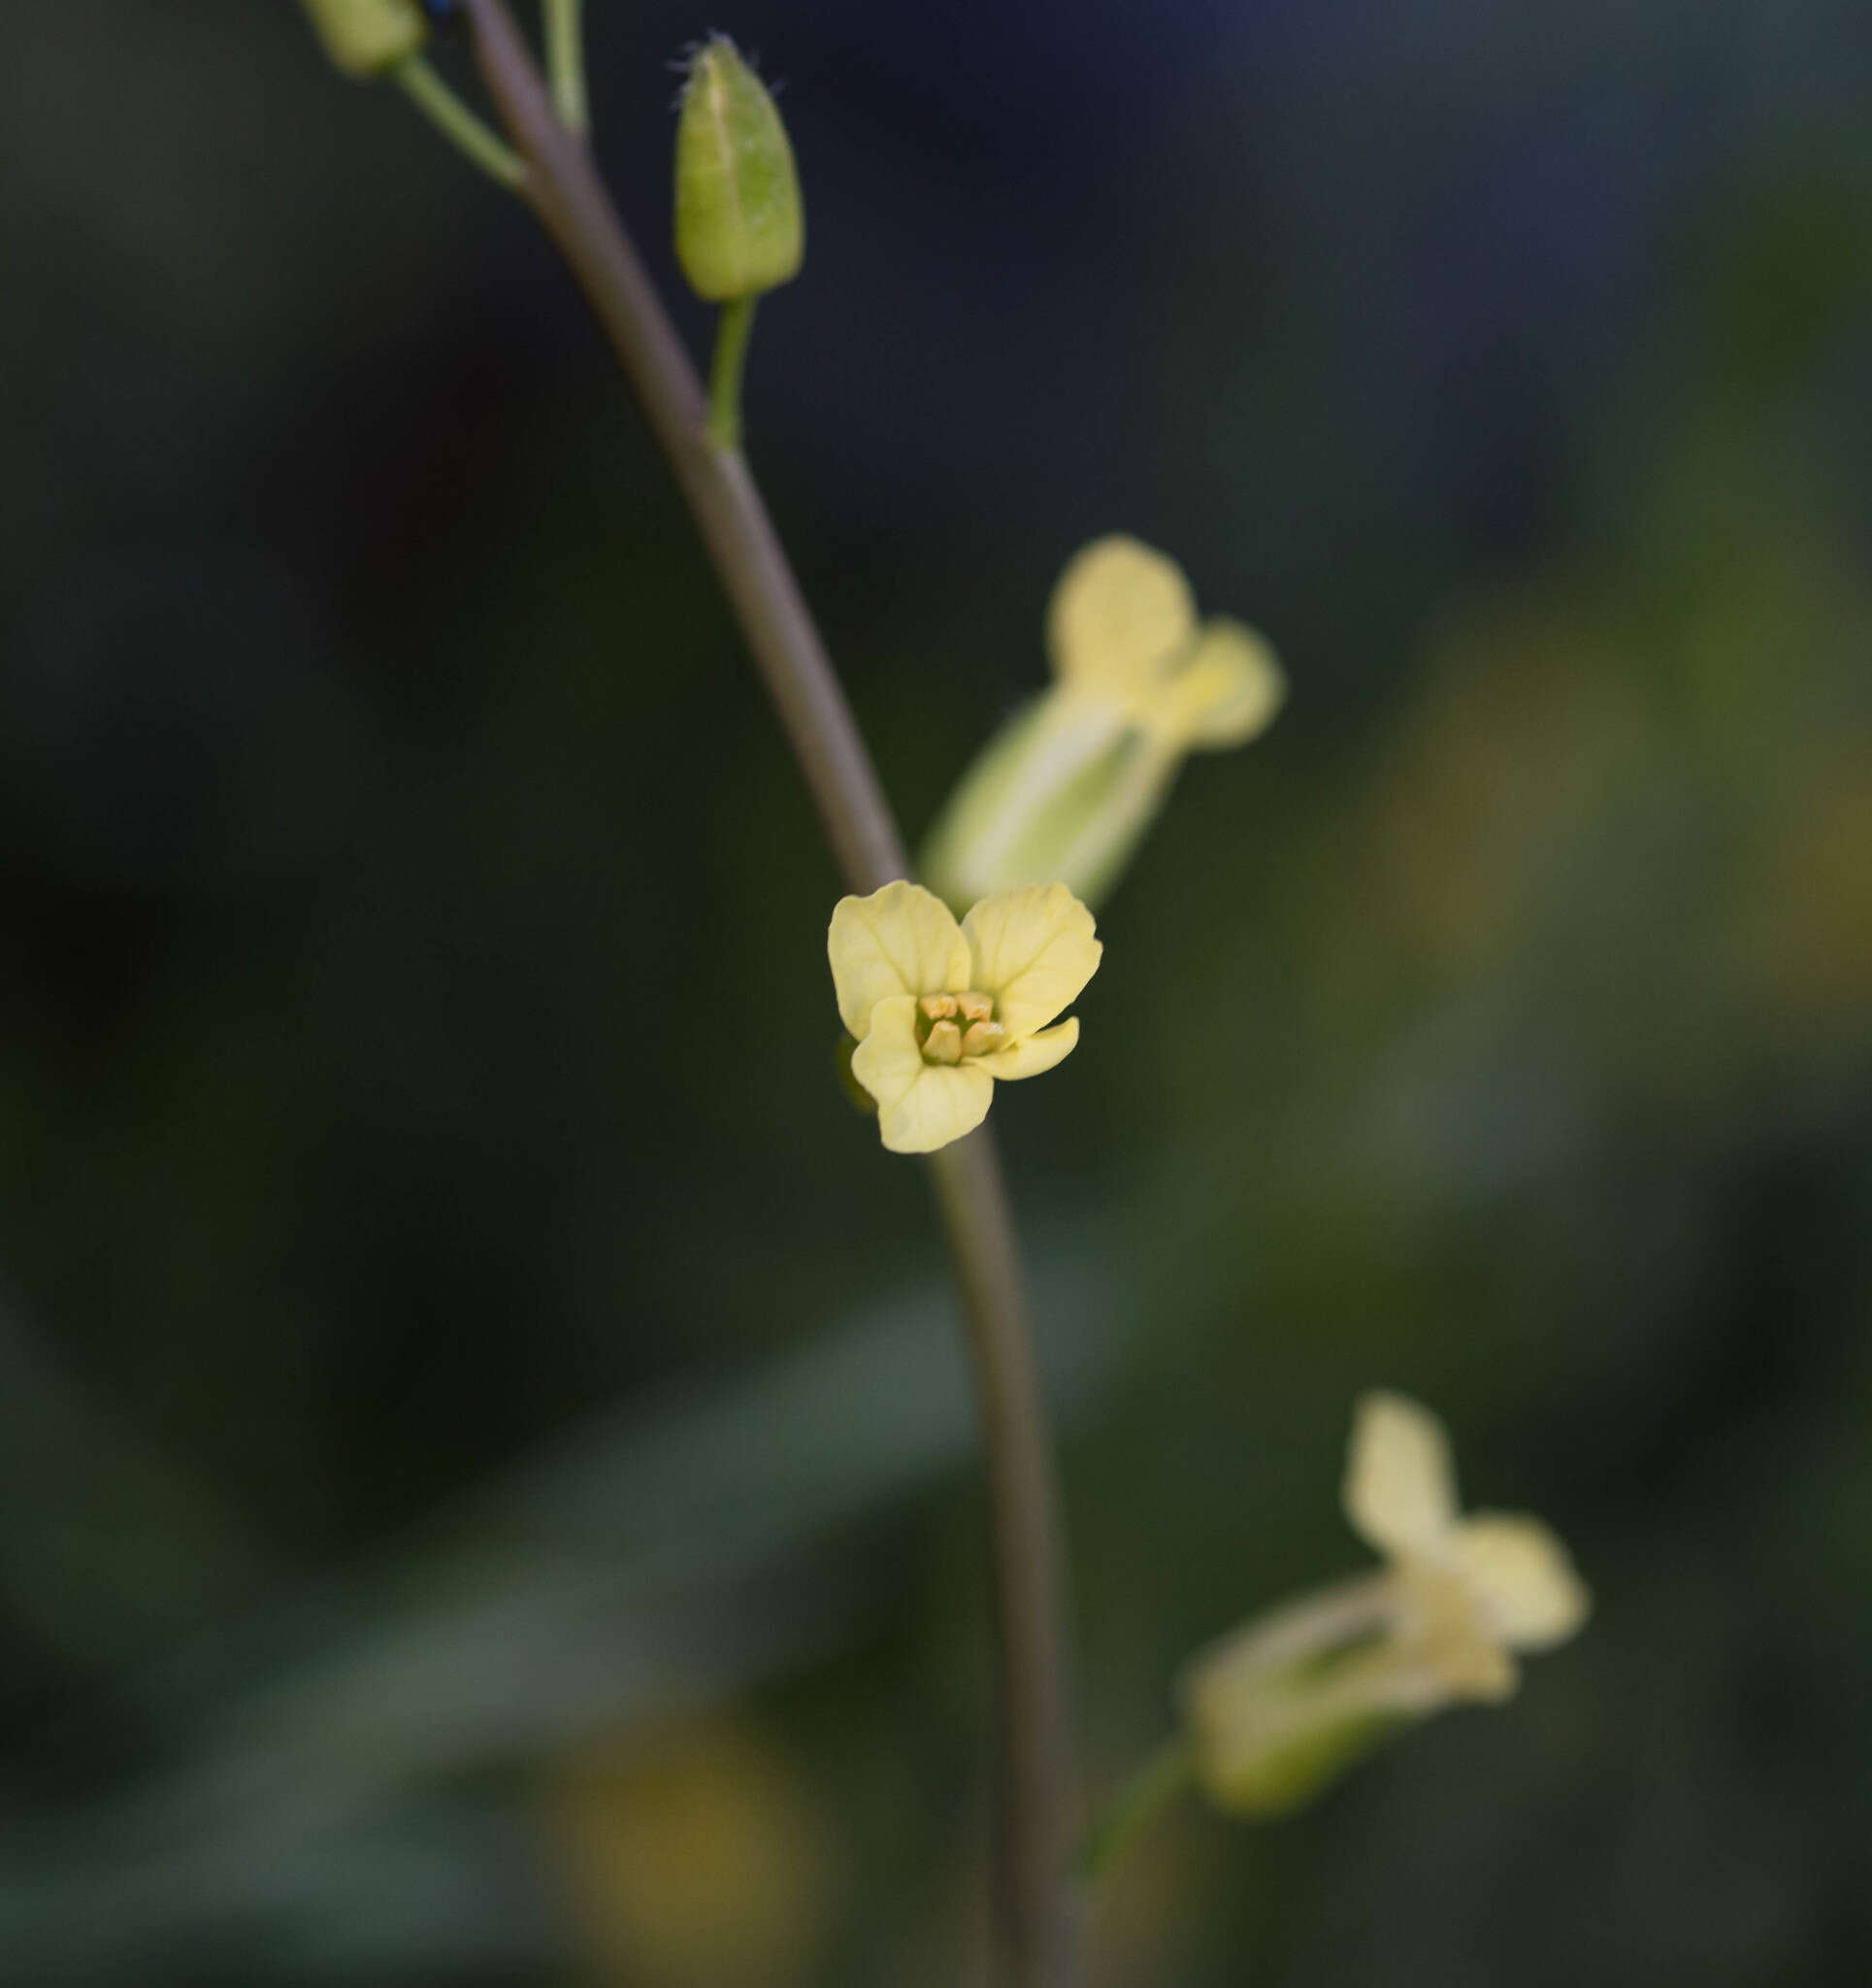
[(739, 225), (366, 37)]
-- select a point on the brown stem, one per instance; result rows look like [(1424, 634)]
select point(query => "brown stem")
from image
[(572, 203), (1037, 1935)]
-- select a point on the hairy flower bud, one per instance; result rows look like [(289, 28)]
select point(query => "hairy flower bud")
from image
[(366, 37), (739, 226)]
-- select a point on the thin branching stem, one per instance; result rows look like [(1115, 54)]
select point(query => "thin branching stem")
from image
[(566, 61), (572, 203), (459, 124), (725, 376), (1037, 1942)]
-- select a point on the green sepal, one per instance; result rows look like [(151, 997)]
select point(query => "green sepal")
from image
[(1292, 1773)]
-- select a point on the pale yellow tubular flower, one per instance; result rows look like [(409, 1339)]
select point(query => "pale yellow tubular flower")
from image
[(1521, 1576), (1068, 785), (1118, 618), (1226, 693), (939, 1010), (1505, 1576), (1280, 1709), (1399, 1484), (1443, 1649), (1123, 633)]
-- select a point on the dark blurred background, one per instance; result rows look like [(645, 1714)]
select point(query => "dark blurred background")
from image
[(485, 1480)]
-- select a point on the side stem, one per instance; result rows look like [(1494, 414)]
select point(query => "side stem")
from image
[(725, 377), (1163, 1779), (566, 61), (458, 123), (576, 210)]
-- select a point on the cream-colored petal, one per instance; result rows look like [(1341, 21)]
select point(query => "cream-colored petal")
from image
[(1446, 1640), (888, 1062), (1523, 1579), (946, 1103), (901, 940), (1119, 618), (1034, 951), (1032, 1054), (920, 1105), (1226, 693), (1399, 1486)]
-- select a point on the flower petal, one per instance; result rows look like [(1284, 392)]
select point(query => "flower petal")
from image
[(1119, 618), (920, 1105), (1523, 1579), (1032, 1054), (889, 1061), (1033, 949), (1399, 1487), (901, 940), (1225, 694)]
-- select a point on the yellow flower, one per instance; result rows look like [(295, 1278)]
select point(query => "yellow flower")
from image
[(1279, 1708), (1068, 786), (940, 1010), (1487, 1586), (1123, 632)]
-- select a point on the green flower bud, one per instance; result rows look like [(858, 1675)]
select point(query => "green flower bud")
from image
[(739, 225), (366, 37)]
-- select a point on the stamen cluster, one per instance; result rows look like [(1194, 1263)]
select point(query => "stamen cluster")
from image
[(952, 1026)]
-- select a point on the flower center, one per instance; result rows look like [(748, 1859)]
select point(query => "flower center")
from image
[(952, 1026)]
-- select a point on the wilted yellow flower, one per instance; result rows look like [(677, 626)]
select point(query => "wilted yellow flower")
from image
[(1068, 785), (1276, 1710), (940, 1010)]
